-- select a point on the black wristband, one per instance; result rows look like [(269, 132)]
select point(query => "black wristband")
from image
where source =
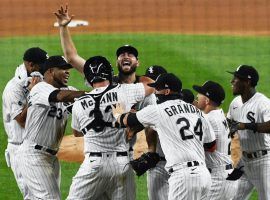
[(251, 126), (122, 120)]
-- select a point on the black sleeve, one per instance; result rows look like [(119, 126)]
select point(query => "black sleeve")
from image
[(53, 96), (211, 146), (132, 121)]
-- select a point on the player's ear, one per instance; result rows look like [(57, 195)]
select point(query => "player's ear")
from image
[(167, 91), (138, 63)]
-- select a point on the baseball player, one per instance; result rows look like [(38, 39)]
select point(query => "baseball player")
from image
[(157, 177), (45, 125), (253, 128), (183, 134), (245, 187), (105, 170), (210, 97), (14, 102)]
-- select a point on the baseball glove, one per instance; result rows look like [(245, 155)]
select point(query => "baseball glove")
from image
[(235, 175), (146, 161)]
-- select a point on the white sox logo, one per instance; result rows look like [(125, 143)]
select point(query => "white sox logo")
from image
[(250, 116)]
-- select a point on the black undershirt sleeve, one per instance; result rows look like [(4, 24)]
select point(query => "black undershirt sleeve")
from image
[(132, 122), (53, 96)]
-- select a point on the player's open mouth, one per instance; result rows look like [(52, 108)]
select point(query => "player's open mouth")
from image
[(126, 63)]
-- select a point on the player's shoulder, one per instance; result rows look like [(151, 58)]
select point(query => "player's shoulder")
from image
[(236, 102), (260, 97)]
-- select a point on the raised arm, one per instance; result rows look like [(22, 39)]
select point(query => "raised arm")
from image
[(67, 44)]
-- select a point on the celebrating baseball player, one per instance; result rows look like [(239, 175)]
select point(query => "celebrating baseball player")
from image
[(210, 97), (253, 128), (14, 101), (105, 171), (44, 129), (127, 63), (245, 187), (183, 134)]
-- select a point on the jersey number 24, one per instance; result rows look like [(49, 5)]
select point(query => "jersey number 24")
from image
[(186, 125)]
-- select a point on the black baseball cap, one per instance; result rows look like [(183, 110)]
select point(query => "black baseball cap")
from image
[(247, 72), (127, 48), (167, 81), (154, 71), (56, 61), (212, 90), (187, 96), (35, 55)]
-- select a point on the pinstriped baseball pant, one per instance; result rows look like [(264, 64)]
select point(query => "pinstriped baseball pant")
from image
[(190, 183), (106, 177), (157, 182)]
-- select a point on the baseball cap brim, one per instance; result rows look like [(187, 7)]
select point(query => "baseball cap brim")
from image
[(199, 89), (236, 74)]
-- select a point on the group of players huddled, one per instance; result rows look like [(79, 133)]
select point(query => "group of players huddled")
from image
[(189, 140)]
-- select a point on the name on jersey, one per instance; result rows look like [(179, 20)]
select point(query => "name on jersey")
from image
[(108, 97), (184, 108)]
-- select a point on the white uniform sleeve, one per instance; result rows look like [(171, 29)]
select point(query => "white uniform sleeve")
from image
[(265, 110), (209, 134), (134, 92), (75, 122), (148, 116), (18, 101), (40, 94), (149, 100)]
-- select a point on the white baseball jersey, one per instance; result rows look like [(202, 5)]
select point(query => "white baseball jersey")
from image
[(219, 161), (109, 139), (46, 121), (13, 101), (255, 110), (234, 109), (220, 126), (21, 72), (44, 130), (181, 128), (108, 173)]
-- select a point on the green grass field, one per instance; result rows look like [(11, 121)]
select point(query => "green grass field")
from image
[(194, 58)]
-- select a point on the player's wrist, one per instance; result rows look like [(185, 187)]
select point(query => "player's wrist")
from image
[(251, 126)]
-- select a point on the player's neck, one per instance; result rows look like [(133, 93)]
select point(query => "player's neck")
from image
[(131, 78), (209, 108), (248, 95)]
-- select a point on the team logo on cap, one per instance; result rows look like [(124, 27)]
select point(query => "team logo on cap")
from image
[(151, 70)]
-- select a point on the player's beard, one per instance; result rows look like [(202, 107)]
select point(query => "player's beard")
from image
[(126, 73)]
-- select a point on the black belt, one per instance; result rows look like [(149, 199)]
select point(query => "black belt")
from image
[(50, 151), (189, 164), (162, 158), (255, 154), (99, 154), (227, 167)]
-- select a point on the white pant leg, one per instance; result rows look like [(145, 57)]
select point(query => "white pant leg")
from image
[(189, 183), (222, 188), (258, 172), (40, 171), (244, 188), (103, 178), (12, 151), (157, 182)]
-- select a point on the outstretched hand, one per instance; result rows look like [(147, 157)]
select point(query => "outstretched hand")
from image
[(63, 17)]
